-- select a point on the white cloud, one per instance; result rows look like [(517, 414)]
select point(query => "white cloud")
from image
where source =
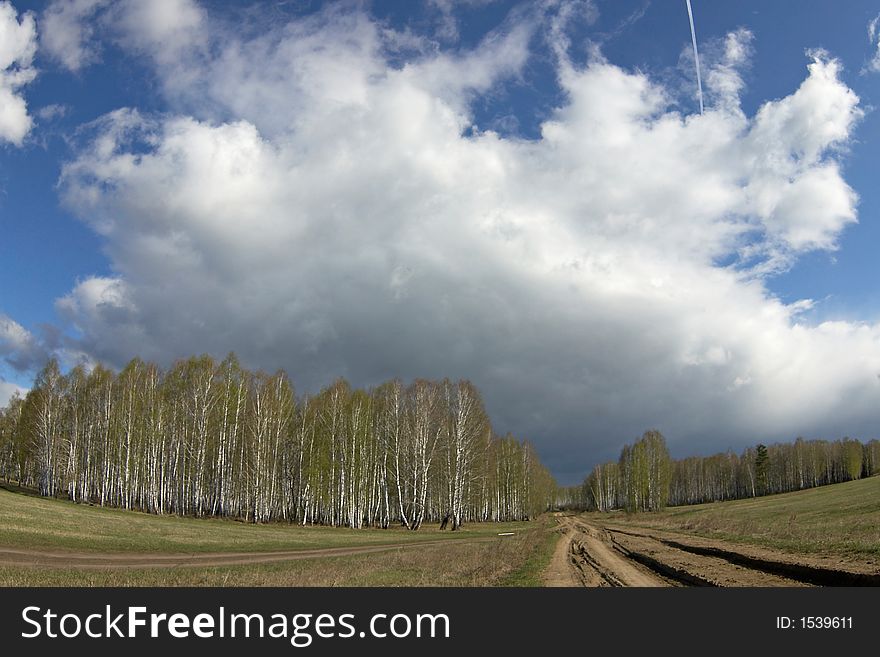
[(98, 303), (67, 32), (7, 390), (51, 112), (161, 27), (18, 44), (19, 347), (447, 25), (568, 15), (725, 60), (874, 39), (72, 29), (444, 15), (26, 353), (321, 209)]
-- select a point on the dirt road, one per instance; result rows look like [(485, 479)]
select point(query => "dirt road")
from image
[(98, 560), (559, 572), (583, 558), (593, 553)]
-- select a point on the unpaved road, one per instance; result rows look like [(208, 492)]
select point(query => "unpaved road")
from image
[(583, 558), (598, 554), (600, 563), (107, 560), (559, 572)]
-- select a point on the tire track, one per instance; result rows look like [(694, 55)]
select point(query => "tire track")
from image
[(609, 556), (693, 569), (591, 560), (788, 568), (612, 565)]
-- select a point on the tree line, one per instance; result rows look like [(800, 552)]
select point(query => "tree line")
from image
[(208, 438), (645, 478)]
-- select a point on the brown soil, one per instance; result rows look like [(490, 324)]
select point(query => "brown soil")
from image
[(601, 563), (583, 557), (559, 572), (600, 554), (99, 560)]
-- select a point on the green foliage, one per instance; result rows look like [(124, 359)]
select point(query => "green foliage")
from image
[(762, 469), (645, 469), (852, 458), (871, 458)]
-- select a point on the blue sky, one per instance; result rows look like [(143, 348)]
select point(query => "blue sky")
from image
[(377, 216)]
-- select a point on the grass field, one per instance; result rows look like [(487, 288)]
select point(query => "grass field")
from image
[(489, 564), (28, 522), (840, 519)]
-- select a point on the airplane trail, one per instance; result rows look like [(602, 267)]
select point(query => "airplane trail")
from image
[(696, 54)]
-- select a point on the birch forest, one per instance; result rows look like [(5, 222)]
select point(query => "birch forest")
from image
[(214, 439), (646, 479)]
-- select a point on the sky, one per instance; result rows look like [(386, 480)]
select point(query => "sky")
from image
[(523, 194)]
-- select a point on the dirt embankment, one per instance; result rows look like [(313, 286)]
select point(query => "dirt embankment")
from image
[(597, 554)]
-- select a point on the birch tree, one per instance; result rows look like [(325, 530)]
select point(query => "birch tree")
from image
[(213, 439)]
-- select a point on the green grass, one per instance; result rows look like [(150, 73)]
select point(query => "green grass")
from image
[(840, 519), (40, 523), (540, 552)]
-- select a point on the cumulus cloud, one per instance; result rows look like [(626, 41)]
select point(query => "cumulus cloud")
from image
[(19, 348), (332, 212), (18, 44)]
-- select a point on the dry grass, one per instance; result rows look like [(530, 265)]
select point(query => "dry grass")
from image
[(487, 563), (44, 524)]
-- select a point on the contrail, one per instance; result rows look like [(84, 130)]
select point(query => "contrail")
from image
[(696, 54)]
